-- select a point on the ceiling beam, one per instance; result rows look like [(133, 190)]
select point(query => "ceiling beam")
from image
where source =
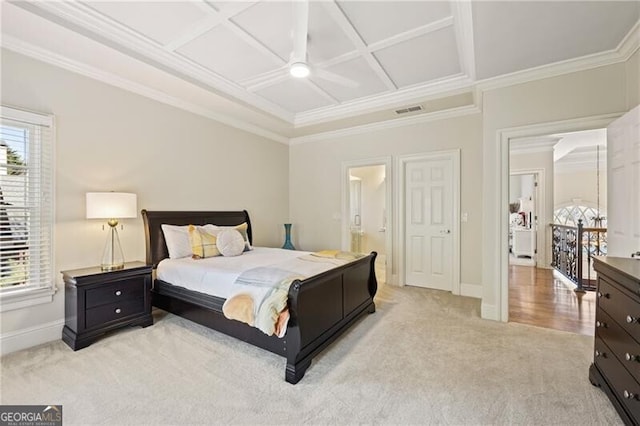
[(343, 22), (573, 141), (463, 27)]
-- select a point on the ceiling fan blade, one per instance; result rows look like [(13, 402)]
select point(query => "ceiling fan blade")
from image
[(335, 78), (300, 30)]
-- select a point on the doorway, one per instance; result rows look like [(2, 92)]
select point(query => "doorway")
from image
[(366, 208), (524, 211), (540, 295)]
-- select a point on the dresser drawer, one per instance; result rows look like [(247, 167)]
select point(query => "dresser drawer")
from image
[(620, 306), (114, 311), (623, 347), (623, 385), (125, 289)]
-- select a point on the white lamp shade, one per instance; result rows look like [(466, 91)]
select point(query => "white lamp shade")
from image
[(111, 205)]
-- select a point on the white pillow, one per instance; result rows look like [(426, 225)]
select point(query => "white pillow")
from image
[(177, 239), (230, 242)]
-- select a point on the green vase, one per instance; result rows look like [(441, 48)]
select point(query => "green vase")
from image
[(287, 237)]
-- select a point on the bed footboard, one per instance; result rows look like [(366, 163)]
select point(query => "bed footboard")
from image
[(323, 307)]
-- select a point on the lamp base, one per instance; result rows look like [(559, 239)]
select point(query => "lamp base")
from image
[(112, 267), (112, 258)]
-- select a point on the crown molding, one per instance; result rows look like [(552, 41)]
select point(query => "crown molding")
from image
[(49, 57), (388, 124), (533, 145), (435, 89), (621, 53), (630, 43)]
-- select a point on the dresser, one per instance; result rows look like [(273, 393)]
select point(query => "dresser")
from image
[(99, 301), (616, 354)]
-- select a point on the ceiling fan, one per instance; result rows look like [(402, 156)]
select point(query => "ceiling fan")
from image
[(298, 65)]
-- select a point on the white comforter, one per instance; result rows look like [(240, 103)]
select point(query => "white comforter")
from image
[(216, 275)]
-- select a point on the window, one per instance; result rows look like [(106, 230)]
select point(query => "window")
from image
[(26, 208), (569, 215)]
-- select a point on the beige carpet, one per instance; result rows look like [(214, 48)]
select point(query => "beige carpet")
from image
[(425, 357)]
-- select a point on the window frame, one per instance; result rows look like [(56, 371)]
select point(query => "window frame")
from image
[(23, 297)]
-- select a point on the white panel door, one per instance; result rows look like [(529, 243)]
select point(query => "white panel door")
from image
[(623, 185), (428, 224)]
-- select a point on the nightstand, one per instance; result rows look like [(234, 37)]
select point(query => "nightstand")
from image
[(97, 301)]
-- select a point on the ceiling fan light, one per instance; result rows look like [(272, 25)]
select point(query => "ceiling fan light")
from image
[(299, 70)]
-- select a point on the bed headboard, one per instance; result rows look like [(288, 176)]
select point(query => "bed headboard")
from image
[(154, 238)]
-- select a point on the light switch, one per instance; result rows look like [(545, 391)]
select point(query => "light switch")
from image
[(465, 217)]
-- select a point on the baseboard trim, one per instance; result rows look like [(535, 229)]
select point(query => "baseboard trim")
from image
[(29, 337), (489, 312), (471, 290)]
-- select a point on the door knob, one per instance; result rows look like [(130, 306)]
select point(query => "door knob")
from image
[(445, 231), (636, 254)]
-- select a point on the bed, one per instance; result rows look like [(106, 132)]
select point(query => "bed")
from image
[(321, 307)]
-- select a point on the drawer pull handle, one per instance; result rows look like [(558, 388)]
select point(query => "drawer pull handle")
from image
[(118, 310), (630, 357), (605, 295), (629, 395), (118, 293), (602, 354), (601, 324), (631, 319)]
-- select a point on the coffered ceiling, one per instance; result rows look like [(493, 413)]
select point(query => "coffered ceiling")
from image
[(379, 55)]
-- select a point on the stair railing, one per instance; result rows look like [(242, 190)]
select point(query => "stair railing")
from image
[(571, 247)]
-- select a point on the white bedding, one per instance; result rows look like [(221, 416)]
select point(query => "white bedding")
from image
[(216, 275)]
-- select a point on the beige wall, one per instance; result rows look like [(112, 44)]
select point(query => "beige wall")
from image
[(633, 80), (110, 139), (582, 185), (576, 95), (315, 185)]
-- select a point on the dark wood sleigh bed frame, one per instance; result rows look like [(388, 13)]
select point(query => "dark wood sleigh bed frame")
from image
[(321, 307)]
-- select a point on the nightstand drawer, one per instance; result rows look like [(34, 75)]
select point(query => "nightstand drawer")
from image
[(114, 311), (126, 289)]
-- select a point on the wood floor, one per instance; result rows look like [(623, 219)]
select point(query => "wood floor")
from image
[(539, 297)]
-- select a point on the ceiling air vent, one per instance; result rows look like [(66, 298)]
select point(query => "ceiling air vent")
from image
[(409, 109)]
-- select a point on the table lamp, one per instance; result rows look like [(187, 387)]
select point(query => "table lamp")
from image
[(111, 206)]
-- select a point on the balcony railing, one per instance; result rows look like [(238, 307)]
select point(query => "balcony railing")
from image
[(573, 248)]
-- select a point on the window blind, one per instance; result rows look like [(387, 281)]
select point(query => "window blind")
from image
[(26, 207)]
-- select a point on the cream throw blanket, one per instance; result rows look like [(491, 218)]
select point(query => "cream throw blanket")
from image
[(261, 298)]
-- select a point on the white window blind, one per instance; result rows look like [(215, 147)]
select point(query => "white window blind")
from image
[(26, 208)]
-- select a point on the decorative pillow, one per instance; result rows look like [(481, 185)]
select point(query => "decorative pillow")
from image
[(177, 240), (230, 242), (203, 244), (242, 228)]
